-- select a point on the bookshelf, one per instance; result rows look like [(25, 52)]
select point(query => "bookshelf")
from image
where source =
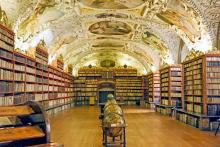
[(23, 78), (128, 86), (171, 89), (144, 88), (6, 65), (153, 89), (129, 90), (201, 78)]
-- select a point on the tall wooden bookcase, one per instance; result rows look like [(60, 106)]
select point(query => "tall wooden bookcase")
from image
[(201, 103), (171, 89), (24, 78), (153, 89), (128, 86)]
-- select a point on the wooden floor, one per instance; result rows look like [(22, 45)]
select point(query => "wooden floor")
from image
[(79, 127)]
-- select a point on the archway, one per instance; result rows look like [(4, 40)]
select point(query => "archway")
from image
[(105, 88)]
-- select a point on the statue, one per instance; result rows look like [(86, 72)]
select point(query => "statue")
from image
[(3, 18), (60, 58), (41, 44)]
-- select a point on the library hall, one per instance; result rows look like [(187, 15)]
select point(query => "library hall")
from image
[(109, 73)]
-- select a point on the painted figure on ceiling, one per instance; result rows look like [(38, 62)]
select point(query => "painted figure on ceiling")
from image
[(110, 28), (112, 4), (3, 18), (184, 18), (154, 42), (30, 23)]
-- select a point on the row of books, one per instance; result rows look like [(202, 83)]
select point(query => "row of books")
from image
[(41, 97), (197, 92), (154, 99), (6, 32), (41, 58), (19, 67), (42, 80), (213, 69), (213, 63), (6, 74), (6, 54), (128, 85), (6, 46), (57, 102), (19, 76), (164, 75), (18, 87), (154, 84), (87, 89), (129, 94), (30, 70), (30, 62), (129, 90), (192, 68), (132, 80), (194, 108), (165, 102), (42, 67), (175, 73), (131, 99), (164, 80), (213, 74), (176, 102), (164, 84), (213, 99), (164, 111), (31, 87), (19, 58), (213, 86), (53, 82), (164, 94), (155, 94), (175, 69), (6, 100), (171, 88), (155, 89), (194, 121), (213, 92), (213, 59), (6, 87), (30, 78), (191, 87), (5, 64), (197, 76), (213, 110)]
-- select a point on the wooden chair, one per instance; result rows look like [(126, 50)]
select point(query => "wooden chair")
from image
[(216, 131), (24, 125)]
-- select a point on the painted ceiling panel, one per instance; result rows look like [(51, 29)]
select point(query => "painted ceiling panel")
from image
[(148, 31), (112, 4)]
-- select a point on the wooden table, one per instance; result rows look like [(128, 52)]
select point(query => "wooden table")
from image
[(20, 133)]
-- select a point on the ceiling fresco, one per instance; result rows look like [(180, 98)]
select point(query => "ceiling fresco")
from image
[(110, 28), (112, 4), (147, 31), (154, 42)]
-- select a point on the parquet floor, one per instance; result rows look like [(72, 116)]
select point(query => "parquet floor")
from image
[(80, 127)]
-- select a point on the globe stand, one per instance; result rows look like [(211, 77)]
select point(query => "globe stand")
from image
[(113, 141)]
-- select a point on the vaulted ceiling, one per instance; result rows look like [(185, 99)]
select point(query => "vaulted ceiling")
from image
[(141, 33)]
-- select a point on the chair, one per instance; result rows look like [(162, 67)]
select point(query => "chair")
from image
[(216, 132)]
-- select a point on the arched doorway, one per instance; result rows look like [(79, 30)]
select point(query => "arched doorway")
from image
[(105, 88)]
